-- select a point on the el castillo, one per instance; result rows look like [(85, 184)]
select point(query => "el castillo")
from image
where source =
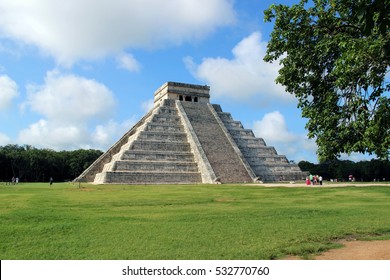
[(185, 139)]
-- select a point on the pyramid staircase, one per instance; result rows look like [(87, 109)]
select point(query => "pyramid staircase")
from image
[(227, 164), (157, 152)]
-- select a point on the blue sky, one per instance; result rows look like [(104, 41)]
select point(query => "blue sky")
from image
[(78, 74)]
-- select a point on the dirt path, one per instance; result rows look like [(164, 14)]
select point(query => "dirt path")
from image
[(359, 250), (356, 250)]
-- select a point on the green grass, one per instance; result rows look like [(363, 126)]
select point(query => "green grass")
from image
[(184, 221)]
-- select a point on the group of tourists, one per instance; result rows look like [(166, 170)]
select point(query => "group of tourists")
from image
[(314, 180), (14, 181)]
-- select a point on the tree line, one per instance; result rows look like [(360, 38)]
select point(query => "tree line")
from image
[(30, 164), (374, 169)]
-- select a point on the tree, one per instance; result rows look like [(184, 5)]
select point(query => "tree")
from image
[(341, 169), (37, 165), (334, 57)]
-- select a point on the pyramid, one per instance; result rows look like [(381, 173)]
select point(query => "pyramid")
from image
[(186, 140)]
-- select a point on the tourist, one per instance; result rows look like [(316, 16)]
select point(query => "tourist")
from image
[(320, 180)]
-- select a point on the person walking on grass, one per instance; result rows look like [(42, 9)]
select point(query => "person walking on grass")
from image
[(51, 181)]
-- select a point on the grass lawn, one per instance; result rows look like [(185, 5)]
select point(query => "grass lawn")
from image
[(184, 221)]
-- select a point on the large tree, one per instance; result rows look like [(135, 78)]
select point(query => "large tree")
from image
[(334, 57)]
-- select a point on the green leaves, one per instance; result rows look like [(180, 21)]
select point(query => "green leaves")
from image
[(38, 165), (334, 59)]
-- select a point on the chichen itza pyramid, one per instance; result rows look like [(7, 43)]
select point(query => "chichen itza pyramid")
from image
[(185, 139)]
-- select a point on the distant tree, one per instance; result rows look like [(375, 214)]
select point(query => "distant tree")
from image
[(341, 169), (306, 165), (34, 165), (334, 56), (79, 160)]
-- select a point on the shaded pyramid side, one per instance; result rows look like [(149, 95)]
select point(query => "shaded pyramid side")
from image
[(220, 151), (264, 160), (155, 151)]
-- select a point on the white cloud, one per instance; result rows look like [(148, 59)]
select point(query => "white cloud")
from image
[(4, 139), (128, 62), (244, 76), (106, 135), (57, 136), (60, 136), (274, 130), (70, 98), (8, 91), (68, 105), (73, 29)]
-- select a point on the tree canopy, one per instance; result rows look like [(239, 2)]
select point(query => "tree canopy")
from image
[(334, 57), (38, 165), (374, 170)]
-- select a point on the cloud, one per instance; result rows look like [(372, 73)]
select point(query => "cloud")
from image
[(243, 77), (49, 134), (107, 134), (8, 91), (72, 30), (128, 62), (68, 105), (274, 130), (70, 98), (4, 139), (57, 136)]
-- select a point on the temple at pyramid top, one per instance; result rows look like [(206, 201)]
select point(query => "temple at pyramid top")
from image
[(186, 140), (182, 92)]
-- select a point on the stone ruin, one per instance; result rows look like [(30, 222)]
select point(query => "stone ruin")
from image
[(186, 140)]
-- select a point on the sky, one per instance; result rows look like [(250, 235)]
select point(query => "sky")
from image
[(79, 74)]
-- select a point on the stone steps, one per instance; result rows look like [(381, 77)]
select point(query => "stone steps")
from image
[(158, 155), (163, 136), (264, 160), (153, 166), (163, 127), (223, 159), (164, 118), (151, 177), (248, 141), (257, 152), (152, 145), (239, 132), (276, 168), (167, 110)]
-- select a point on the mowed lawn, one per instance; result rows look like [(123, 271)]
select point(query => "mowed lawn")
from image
[(107, 222)]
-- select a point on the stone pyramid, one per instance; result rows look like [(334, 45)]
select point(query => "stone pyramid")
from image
[(185, 139)]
